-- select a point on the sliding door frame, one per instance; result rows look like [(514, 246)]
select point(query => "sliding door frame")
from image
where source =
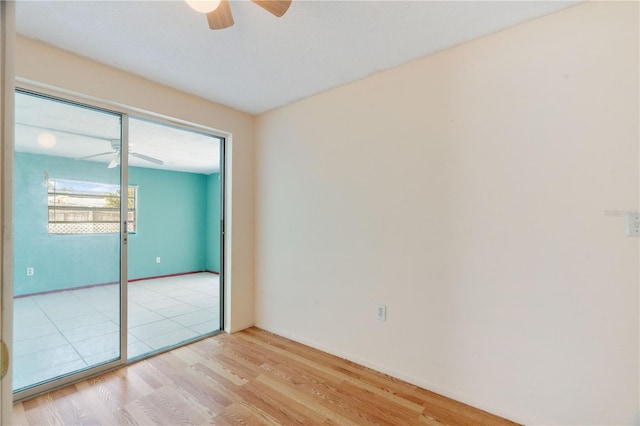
[(55, 383), (125, 112), (223, 209), (7, 123), (124, 236)]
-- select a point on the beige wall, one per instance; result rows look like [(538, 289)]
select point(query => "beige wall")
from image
[(477, 193), (46, 65)]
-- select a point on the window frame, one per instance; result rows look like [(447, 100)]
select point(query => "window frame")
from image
[(52, 209)]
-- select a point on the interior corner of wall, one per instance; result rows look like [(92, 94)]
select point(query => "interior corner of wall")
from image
[(234, 329)]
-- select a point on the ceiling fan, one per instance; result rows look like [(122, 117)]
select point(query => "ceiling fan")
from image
[(115, 151), (219, 12), (115, 146)]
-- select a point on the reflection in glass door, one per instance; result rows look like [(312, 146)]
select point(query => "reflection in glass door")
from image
[(67, 242)]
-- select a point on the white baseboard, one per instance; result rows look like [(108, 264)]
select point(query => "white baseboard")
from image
[(507, 414)]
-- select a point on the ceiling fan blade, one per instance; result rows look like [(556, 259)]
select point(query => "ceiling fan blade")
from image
[(115, 162), (147, 158), (275, 7), (94, 155), (221, 17)]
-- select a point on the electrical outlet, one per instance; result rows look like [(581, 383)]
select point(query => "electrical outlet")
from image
[(158, 259), (633, 224), (30, 271), (381, 313)]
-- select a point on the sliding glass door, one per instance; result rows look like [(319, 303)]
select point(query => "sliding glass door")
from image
[(117, 239), (174, 256), (67, 239)]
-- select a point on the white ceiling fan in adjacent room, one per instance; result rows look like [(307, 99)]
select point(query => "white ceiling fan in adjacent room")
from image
[(115, 144), (115, 152), (63, 130), (219, 11)]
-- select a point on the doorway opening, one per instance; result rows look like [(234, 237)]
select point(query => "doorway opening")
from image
[(117, 239)]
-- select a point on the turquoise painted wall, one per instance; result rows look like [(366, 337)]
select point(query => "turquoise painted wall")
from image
[(171, 223), (172, 208), (213, 222)]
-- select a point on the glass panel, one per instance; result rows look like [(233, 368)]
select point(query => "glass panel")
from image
[(66, 239), (174, 256)]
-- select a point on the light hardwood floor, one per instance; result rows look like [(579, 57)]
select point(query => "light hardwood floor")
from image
[(252, 378)]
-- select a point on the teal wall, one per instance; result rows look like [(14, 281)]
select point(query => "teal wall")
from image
[(173, 211), (213, 220), (171, 223)]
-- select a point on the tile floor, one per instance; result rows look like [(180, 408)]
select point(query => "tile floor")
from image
[(58, 333)]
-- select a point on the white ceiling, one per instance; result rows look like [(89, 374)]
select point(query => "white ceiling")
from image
[(264, 62)]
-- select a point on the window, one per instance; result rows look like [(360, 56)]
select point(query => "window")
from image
[(87, 207)]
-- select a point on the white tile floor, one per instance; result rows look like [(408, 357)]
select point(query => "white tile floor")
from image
[(58, 333)]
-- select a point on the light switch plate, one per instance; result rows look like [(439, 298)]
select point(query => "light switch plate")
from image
[(381, 313), (633, 224)]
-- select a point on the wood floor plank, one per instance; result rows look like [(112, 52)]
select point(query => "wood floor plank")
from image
[(383, 382), (96, 398), (304, 398), (137, 385), (116, 388), (319, 366), (426, 420), (243, 414), (167, 408), (191, 385), (301, 413), (439, 407), (269, 403), (141, 414), (328, 393), (252, 377), (69, 403), (19, 415), (32, 412), (144, 369), (52, 415)]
